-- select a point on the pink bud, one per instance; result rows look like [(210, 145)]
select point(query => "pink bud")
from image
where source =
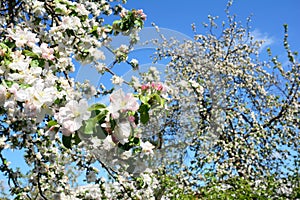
[(131, 118), (140, 11), (141, 14), (159, 87), (153, 85), (144, 87), (143, 17)]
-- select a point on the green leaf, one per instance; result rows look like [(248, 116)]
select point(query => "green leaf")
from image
[(144, 99), (67, 141), (42, 62), (10, 44), (7, 61), (96, 106), (59, 10), (125, 146), (162, 101), (94, 29), (144, 115), (24, 85), (155, 100), (139, 23), (90, 125), (9, 83), (34, 63), (77, 138), (100, 133), (116, 25), (101, 116), (108, 27), (3, 46), (30, 54), (72, 7), (136, 140)]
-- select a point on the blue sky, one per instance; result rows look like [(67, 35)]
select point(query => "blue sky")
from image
[(268, 15)]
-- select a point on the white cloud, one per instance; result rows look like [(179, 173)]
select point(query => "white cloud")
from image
[(258, 36)]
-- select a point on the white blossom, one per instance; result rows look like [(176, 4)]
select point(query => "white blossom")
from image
[(117, 80), (122, 103), (23, 36), (72, 115), (122, 131), (147, 147)]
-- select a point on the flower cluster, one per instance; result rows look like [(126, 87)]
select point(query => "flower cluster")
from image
[(45, 113), (153, 87), (71, 116), (119, 109), (121, 53), (130, 20), (136, 13)]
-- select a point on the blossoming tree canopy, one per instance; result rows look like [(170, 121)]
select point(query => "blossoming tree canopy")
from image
[(39, 42), (238, 116)]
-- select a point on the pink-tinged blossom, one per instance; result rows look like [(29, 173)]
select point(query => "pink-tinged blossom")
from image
[(30, 109), (72, 23), (159, 87), (122, 103), (14, 88), (142, 14), (47, 52), (123, 13), (72, 115), (80, 8)]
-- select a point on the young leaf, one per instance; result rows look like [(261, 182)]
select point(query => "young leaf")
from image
[(77, 138), (90, 125), (51, 123), (144, 115), (97, 106), (30, 54)]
